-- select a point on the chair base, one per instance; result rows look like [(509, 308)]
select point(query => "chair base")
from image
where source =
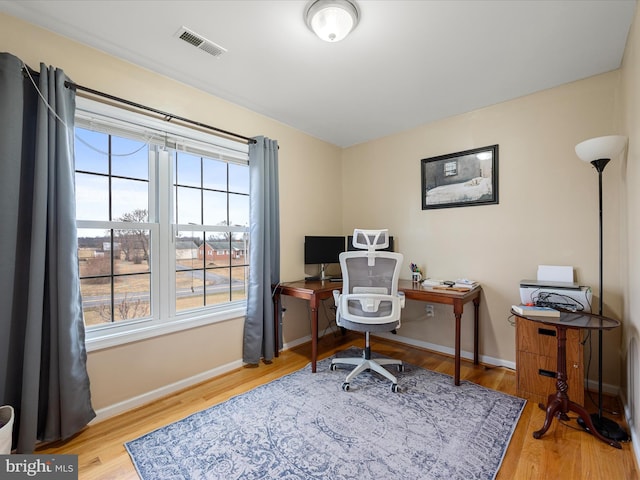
[(363, 363)]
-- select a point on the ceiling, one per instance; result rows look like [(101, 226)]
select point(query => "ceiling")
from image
[(406, 64)]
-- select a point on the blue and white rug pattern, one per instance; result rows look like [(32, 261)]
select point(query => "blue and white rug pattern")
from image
[(303, 426)]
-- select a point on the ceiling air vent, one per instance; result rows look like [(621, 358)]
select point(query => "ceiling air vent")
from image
[(200, 42)]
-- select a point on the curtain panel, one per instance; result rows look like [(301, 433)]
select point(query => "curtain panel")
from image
[(43, 373), (264, 251)]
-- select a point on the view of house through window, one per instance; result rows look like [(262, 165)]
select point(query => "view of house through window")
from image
[(211, 262), (158, 219)]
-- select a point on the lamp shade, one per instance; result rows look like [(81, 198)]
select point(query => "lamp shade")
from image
[(601, 147), (332, 20)]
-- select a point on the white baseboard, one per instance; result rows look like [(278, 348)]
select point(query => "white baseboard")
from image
[(148, 397), (498, 362), (295, 343), (634, 438)]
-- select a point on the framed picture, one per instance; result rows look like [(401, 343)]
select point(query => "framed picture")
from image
[(460, 179)]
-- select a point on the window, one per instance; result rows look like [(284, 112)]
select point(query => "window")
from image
[(450, 168), (163, 225)]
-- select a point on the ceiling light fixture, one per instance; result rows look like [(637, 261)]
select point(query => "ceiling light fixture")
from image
[(332, 20)]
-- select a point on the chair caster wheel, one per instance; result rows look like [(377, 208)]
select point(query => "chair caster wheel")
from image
[(395, 388), (333, 367), (345, 386), (401, 368)]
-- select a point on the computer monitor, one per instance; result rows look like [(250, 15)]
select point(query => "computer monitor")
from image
[(351, 248), (322, 250)]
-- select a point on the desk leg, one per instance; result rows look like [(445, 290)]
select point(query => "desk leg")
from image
[(457, 310), (314, 332), (476, 327), (276, 326)]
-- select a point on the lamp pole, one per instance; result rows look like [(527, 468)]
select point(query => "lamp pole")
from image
[(606, 427), (599, 166)]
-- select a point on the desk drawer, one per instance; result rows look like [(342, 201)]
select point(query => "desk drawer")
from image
[(536, 361), (536, 377), (535, 337)]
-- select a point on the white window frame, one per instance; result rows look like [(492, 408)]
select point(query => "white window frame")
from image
[(164, 319)]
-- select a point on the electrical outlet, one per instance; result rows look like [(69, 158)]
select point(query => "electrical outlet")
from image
[(429, 310)]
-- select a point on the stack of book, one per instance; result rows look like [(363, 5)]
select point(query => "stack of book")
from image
[(460, 283), (532, 310), (465, 282)]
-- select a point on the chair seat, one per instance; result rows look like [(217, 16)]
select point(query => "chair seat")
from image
[(363, 327)]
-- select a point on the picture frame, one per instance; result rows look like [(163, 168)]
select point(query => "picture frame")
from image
[(460, 179)]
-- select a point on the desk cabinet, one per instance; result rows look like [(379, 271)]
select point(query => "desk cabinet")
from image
[(536, 361)]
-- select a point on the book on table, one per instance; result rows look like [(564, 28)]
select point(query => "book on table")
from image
[(535, 311)]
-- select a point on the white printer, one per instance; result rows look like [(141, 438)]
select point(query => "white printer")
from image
[(555, 288)]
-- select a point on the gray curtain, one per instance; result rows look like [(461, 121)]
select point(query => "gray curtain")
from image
[(43, 371), (264, 251)]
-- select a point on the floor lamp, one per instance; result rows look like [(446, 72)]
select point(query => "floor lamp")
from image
[(599, 151)]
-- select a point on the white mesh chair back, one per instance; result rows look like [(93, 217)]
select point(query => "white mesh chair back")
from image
[(370, 282)]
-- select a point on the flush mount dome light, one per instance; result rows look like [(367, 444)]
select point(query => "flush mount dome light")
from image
[(332, 20)]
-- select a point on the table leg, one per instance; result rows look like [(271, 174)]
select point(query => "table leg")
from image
[(276, 326), (559, 404), (314, 333), (476, 328), (457, 310)]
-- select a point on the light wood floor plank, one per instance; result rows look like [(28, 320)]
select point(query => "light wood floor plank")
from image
[(565, 451)]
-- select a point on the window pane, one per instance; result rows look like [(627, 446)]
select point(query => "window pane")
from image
[(132, 251), (240, 248), (214, 174), (96, 301), (215, 208), (240, 283), (92, 197), (218, 250), (188, 170), (189, 270), (188, 254), (130, 158), (218, 291), (188, 206), (238, 209), (91, 151), (238, 178), (132, 297), (127, 196), (189, 290)]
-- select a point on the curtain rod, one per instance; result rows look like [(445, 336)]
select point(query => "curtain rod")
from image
[(167, 116)]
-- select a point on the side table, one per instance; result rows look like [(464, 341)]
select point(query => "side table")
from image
[(559, 403)]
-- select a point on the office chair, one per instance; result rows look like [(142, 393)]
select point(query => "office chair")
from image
[(369, 300)]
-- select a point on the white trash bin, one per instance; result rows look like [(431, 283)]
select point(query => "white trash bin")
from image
[(6, 429)]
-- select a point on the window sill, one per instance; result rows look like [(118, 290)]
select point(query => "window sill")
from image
[(146, 330)]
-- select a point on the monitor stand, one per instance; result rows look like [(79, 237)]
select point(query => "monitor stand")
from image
[(323, 276)]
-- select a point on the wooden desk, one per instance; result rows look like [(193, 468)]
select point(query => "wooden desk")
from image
[(316, 291)]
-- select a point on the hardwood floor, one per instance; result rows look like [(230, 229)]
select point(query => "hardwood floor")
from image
[(565, 451)]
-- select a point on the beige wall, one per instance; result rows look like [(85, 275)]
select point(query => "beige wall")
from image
[(548, 210), (630, 225), (307, 170)]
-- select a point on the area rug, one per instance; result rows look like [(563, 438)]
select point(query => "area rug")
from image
[(304, 426)]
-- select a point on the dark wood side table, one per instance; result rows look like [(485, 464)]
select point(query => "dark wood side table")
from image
[(559, 404), (315, 291)]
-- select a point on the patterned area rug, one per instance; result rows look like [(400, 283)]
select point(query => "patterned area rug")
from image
[(303, 426)]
